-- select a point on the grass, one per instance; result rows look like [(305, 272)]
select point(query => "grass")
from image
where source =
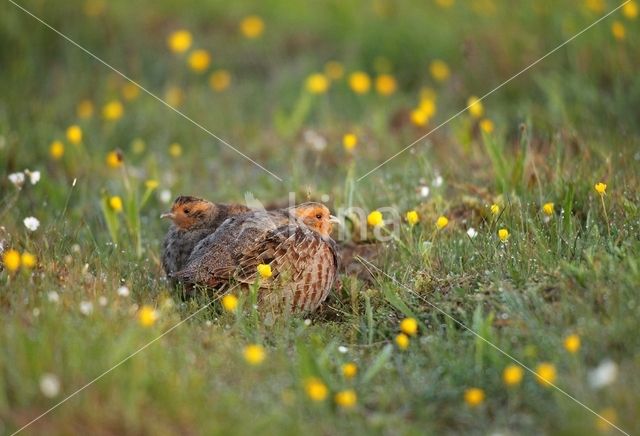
[(565, 125)]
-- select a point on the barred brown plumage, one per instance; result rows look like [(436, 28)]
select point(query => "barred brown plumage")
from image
[(294, 242)]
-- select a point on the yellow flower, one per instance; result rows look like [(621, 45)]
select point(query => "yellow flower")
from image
[(174, 96), (386, 84), (151, 184), (474, 397), (439, 70), (402, 341), (254, 354), (199, 60), (503, 234), (609, 414), (476, 109), (113, 110), (74, 134), (147, 316), (618, 30), (252, 26), (546, 373), (346, 399), (409, 326), (349, 370), (175, 150), (56, 150), (495, 209), (428, 106), (230, 302), (264, 270), (601, 188), (220, 80), (359, 82), (114, 159), (595, 5), (11, 260), (316, 389), (572, 343), (84, 109), (442, 222), (28, 260), (334, 70), (115, 203), (349, 141), (630, 10), (512, 375), (130, 91), (487, 125), (179, 41), (419, 117), (548, 208), (317, 83), (412, 217), (374, 219)]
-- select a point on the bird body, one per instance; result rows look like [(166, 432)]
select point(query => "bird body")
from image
[(294, 242)]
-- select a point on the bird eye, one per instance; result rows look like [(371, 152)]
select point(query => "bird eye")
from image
[(319, 216), (186, 210)]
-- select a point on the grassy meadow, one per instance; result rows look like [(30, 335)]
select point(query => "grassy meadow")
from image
[(511, 230)]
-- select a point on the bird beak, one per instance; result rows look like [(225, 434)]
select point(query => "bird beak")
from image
[(334, 219), (169, 215)]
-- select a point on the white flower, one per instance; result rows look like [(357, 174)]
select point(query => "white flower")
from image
[(34, 176), (307, 322), (86, 307), (604, 374), (438, 181), (31, 223), (424, 191), (50, 385), (343, 349), (315, 140), (102, 301), (165, 196), (123, 291), (36, 312), (17, 179), (472, 233), (53, 296)]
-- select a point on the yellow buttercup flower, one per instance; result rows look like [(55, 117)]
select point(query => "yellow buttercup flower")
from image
[(359, 82), (618, 30), (220, 80), (474, 397), (130, 91), (349, 370), (349, 141), (174, 96), (115, 203), (147, 316), (74, 134), (503, 234), (175, 150), (346, 399), (439, 70), (254, 354), (264, 270), (28, 260), (151, 184), (199, 60), (113, 110), (546, 373), (442, 222), (419, 117), (601, 188), (572, 343), (412, 217), (84, 109), (334, 70), (179, 41), (316, 389), (386, 84), (114, 159), (402, 341), (11, 260), (409, 326), (375, 219), (495, 209), (56, 150), (317, 83), (630, 10), (512, 375), (252, 26), (428, 106), (487, 125), (475, 107), (230, 302), (548, 208)]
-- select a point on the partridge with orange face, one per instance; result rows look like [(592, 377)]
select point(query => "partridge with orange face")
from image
[(193, 219), (295, 242)]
